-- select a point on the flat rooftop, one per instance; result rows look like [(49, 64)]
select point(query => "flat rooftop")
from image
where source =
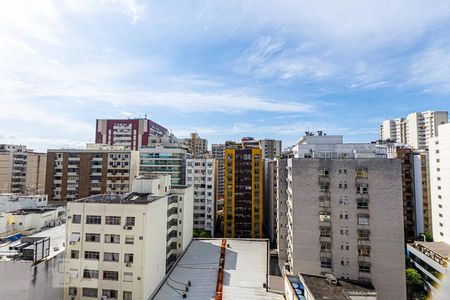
[(321, 289), (29, 211), (57, 236), (441, 248), (245, 271), (129, 198)]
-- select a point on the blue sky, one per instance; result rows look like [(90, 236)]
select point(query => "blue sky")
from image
[(224, 69)]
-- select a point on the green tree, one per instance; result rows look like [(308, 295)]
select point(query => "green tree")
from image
[(429, 236), (414, 284)]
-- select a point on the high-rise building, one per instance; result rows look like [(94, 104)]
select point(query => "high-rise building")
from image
[(218, 153), (415, 130), (243, 199), (345, 213), (129, 133), (164, 155), (270, 199), (271, 149), (200, 173), (21, 170), (422, 193), (99, 169), (120, 246), (439, 154), (196, 145)]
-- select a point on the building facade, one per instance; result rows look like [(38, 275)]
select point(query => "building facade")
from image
[(243, 199), (196, 145), (120, 246), (271, 149), (129, 133), (439, 154), (21, 170), (200, 173), (78, 173), (218, 153), (422, 193), (10, 202), (415, 130)]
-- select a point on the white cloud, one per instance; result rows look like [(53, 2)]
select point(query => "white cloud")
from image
[(431, 69)]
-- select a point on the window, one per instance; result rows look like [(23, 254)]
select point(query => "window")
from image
[(325, 231), (93, 220), (325, 216), (130, 221), (128, 258), (325, 246), (93, 237), (363, 219), (112, 220), (90, 274), (361, 173), (76, 219), (363, 235), (90, 292), (72, 291), (362, 189), (75, 254), (112, 238), (129, 239), (110, 275), (94, 255), (362, 203), (325, 262), (128, 276), (109, 256), (110, 294), (364, 250), (364, 266), (127, 295)]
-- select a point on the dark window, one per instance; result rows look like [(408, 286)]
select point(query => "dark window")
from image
[(90, 273), (112, 220), (94, 255), (92, 237), (111, 275), (75, 254), (76, 219), (110, 294), (93, 220), (109, 256), (130, 221), (90, 292)]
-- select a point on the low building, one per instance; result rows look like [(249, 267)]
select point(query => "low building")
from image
[(32, 267), (431, 259), (29, 220), (119, 246), (9, 202), (318, 287), (231, 268)]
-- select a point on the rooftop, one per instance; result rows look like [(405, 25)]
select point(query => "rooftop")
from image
[(441, 248), (29, 211), (245, 271), (342, 290), (129, 198), (57, 236)]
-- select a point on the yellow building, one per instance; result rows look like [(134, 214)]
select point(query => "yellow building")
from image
[(243, 199)]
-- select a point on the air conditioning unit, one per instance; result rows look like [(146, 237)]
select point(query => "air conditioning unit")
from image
[(129, 227), (128, 264), (139, 278)]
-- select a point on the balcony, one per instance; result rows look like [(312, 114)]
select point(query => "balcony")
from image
[(324, 179)]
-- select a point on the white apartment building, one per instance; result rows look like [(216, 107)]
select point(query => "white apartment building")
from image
[(345, 214), (21, 170), (29, 220), (415, 130), (439, 154), (9, 202), (120, 246), (200, 173), (98, 169), (218, 153), (164, 155)]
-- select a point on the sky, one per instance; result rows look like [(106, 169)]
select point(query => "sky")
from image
[(224, 69)]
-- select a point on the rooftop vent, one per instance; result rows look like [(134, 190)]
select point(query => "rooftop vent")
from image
[(331, 279)]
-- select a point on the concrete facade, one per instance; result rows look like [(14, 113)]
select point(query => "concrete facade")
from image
[(196, 145), (345, 216)]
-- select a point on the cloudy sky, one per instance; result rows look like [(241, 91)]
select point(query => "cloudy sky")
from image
[(224, 69)]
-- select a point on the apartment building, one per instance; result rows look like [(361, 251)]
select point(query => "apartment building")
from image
[(129, 133), (415, 130), (271, 149), (120, 246), (218, 153), (164, 155), (200, 173), (345, 213), (98, 169), (196, 145), (270, 188), (21, 170), (243, 199), (422, 192), (439, 154)]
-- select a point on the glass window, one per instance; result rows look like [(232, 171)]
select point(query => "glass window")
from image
[(128, 258), (129, 239), (72, 291), (76, 219), (112, 238), (90, 274), (93, 220), (110, 294), (112, 220), (110, 275), (130, 221), (92, 237), (75, 254), (363, 219), (109, 256), (90, 292), (127, 295), (128, 276), (94, 255)]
